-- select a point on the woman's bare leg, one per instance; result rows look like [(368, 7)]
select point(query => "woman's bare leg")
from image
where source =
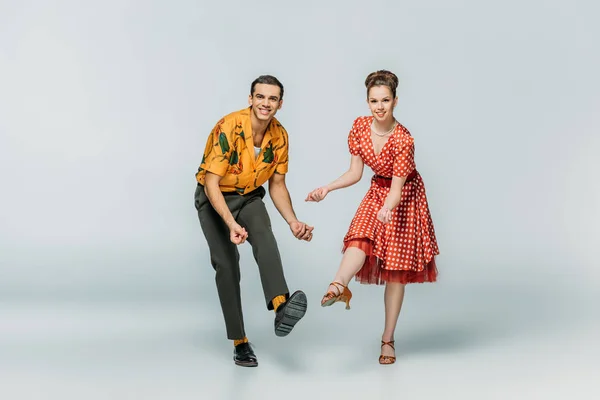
[(351, 263), (393, 298)]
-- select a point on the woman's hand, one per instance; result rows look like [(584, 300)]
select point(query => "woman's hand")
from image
[(317, 194), (384, 215)]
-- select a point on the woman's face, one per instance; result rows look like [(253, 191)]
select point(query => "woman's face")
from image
[(382, 103)]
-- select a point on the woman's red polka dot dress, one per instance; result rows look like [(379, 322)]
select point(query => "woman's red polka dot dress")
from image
[(404, 250)]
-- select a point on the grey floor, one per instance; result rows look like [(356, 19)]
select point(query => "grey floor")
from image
[(494, 343)]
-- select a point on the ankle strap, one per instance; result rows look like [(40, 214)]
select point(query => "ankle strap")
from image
[(337, 284), (390, 343)]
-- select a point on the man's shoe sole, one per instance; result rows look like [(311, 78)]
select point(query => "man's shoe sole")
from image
[(294, 310), (246, 363)]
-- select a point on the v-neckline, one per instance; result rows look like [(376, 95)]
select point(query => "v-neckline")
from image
[(373, 144), (267, 136)]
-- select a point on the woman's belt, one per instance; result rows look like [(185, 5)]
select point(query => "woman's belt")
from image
[(386, 181)]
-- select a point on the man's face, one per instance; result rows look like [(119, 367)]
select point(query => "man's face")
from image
[(265, 101)]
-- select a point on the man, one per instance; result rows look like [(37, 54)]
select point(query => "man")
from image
[(246, 149)]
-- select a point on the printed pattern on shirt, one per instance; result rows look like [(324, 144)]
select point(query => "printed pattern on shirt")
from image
[(229, 153)]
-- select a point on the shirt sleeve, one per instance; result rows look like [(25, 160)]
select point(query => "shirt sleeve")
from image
[(404, 157), (218, 149), (354, 139), (283, 155)]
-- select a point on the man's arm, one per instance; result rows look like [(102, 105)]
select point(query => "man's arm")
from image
[(215, 196), (217, 153), (215, 163), (281, 197), (237, 234)]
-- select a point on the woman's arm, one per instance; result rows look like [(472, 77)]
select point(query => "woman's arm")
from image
[(395, 194), (350, 177)]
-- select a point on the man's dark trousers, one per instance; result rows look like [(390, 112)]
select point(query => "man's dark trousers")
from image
[(250, 212)]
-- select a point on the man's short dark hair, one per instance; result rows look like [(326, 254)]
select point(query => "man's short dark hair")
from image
[(267, 80)]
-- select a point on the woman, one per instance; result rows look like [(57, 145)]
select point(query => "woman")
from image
[(391, 239)]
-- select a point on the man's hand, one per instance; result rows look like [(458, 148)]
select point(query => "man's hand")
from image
[(317, 194), (301, 231), (237, 234)]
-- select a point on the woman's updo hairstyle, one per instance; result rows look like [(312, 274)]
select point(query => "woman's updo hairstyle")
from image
[(382, 78)]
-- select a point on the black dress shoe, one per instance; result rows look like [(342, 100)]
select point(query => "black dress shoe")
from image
[(289, 313), (243, 355)]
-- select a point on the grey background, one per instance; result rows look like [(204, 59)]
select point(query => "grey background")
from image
[(105, 283)]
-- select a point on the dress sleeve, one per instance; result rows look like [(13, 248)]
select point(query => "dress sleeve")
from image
[(354, 139), (404, 157), (218, 149)]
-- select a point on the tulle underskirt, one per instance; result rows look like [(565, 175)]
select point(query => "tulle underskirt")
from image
[(374, 274)]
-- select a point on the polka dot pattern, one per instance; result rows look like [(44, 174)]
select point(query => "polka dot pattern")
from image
[(408, 243)]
